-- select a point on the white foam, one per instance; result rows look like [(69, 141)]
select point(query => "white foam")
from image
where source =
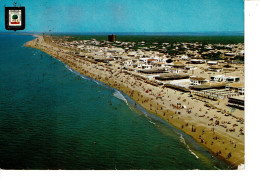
[(69, 68), (77, 73), (98, 83), (183, 141), (152, 122), (193, 153), (119, 95), (82, 76)]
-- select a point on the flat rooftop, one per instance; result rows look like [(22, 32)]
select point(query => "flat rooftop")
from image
[(242, 97)]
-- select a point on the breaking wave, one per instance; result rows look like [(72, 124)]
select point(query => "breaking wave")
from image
[(119, 95), (98, 83), (183, 141), (85, 77), (69, 68)]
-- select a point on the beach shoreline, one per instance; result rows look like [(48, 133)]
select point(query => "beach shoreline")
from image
[(215, 139)]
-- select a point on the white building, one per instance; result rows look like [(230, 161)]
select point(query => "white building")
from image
[(176, 70), (232, 79), (128, 63), (143, 60), (197, 80), (190, 68), (144, 66), (221, 78), (137, 65), (197, 61), (184, 57), (160, 64), (212, 62), (218, 78), (236, 87)]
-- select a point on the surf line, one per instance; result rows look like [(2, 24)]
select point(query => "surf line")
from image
[(126, 99), (183, 141)]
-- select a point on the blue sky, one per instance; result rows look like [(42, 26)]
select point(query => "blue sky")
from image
[(130, 15)]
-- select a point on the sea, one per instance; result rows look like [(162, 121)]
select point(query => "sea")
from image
[(52, 117)]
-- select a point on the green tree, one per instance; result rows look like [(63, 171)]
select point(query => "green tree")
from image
[(15, 16)]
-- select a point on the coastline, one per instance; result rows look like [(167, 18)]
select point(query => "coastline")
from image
[(137, 90)]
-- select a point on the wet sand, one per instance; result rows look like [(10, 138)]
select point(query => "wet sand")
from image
[(210, 126)]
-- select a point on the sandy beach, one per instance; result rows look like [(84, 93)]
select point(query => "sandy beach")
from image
[(208, 122)]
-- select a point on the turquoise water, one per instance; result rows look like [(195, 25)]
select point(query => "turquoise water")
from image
[(54, 118)]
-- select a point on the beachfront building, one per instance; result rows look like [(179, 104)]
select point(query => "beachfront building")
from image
[(218, 78), (171, 76), (147, 67), (137, 65), (197, 80), (176, 70), (232, 79), (190, 68), (236, 87), (180, 82), (153, 71), (230, 54), (214, 94), (237, 102), (143, 60), (212, 62), (221, 78), (178, 65), (215, 68), (197, 61)]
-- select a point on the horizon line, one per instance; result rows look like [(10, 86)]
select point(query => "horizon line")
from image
[(232, 33)]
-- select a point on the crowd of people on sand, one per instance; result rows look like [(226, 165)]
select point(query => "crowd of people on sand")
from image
[(156, 99)]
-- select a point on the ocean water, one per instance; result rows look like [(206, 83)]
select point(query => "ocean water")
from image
[(51, 117)]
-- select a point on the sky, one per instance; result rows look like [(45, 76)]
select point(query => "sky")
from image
[(130, 15)]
